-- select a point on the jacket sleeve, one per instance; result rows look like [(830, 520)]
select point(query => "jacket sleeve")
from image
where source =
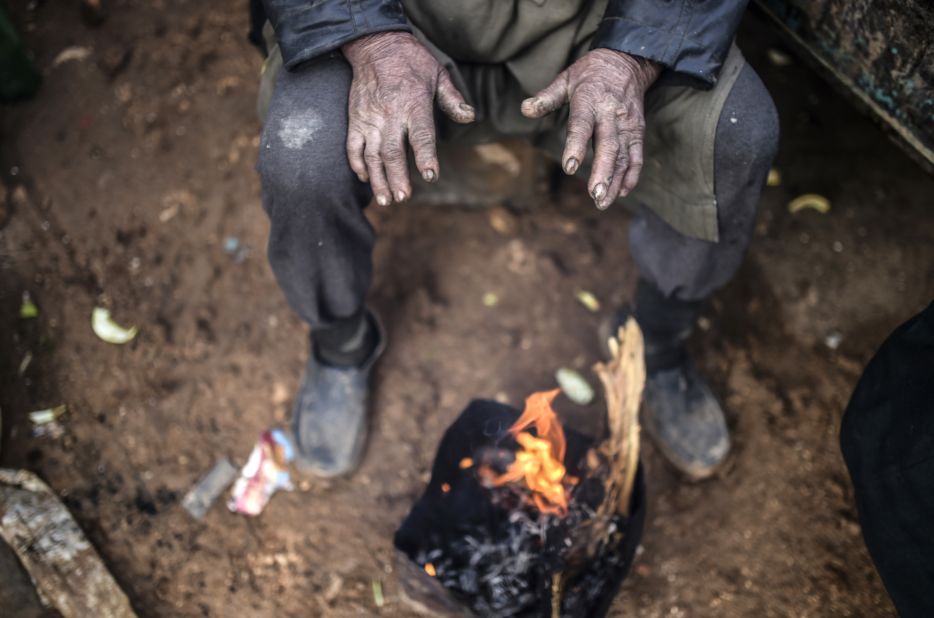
[(308, 28), (690, 38)]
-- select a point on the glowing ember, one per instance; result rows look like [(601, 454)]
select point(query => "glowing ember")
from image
[(430, 569), (540, 460), (445, 487), (466, 462)]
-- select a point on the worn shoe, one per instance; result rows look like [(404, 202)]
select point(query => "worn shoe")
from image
[(331, 414), (679, 411), (685, 420)]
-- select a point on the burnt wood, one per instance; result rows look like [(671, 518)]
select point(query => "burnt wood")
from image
[(442, 518)]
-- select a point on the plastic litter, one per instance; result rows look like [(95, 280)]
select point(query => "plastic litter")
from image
[(778, 57), (69, 54), (809, 200), (27, 308), (378, 593), (575, 386), (833, 340), (775, 178), (108, 330), (199, 498), (588, 300), (234, 247), (265, 473), (24, 364), (42, 417)]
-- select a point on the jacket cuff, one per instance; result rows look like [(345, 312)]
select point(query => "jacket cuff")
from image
[(314, 29), (692, 62)]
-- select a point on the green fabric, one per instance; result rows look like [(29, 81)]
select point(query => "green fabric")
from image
[(500, 52), (535, 39)]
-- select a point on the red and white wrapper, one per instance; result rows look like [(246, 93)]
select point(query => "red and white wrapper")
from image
[(265, 473)]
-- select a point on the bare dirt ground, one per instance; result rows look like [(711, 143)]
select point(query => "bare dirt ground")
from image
[(131, 167)]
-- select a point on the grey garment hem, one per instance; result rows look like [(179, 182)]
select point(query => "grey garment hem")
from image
[(746, 142)]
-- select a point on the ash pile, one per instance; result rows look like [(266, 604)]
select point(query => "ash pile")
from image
[(524, 518)]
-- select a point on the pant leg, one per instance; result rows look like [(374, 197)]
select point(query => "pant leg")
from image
[(690, 269), (320, 243)]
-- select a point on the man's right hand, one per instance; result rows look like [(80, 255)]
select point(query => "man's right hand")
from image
[(395, 80)]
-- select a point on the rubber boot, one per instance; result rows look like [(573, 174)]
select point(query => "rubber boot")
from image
[(330, 419), (679, 412)]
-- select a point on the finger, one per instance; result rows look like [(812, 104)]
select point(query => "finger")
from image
[(422, 138), (606, 151), (374, 166), (395, 164), (635, 167), (613, 189), (355, 146), (580, 130), (452, 102), (548, 100)]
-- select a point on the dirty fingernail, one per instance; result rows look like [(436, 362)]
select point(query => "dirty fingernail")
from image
[(400, 196), (429, 175), (382, 200), (599, 191), (570, 165)]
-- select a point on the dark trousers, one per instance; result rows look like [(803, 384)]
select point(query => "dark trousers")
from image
[(321, 243)]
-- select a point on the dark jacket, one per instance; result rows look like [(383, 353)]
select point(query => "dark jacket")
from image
[(887, 438), (689, 37)]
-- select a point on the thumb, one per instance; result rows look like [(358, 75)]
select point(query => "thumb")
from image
[(548, 100), (452, 102)]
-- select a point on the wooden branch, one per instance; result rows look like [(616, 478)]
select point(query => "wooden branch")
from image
[(68, 573), (623, 379)]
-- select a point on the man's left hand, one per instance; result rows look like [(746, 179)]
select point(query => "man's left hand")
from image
[(606, 91)]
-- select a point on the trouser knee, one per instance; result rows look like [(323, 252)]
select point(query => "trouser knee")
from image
[(745, 146), (320, 242), (690, 269)]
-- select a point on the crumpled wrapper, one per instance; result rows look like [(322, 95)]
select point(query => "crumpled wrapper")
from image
[(265, 473)]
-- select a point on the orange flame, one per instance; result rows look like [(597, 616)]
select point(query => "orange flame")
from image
[(540, 460)]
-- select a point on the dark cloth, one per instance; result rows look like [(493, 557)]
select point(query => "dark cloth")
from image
[(257, 21), (689, 37), (887, 438), (320, 242), (306, 29)]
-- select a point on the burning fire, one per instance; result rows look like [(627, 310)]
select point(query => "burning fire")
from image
[(540, 460)]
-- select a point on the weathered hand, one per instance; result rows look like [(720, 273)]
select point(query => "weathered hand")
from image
[(606, 91), (395, 80)]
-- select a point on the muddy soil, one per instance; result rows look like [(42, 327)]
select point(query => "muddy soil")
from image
[(133, 166)]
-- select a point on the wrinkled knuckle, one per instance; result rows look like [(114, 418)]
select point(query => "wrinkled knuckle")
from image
[(392, 157), (577, 134), (423, 138)]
